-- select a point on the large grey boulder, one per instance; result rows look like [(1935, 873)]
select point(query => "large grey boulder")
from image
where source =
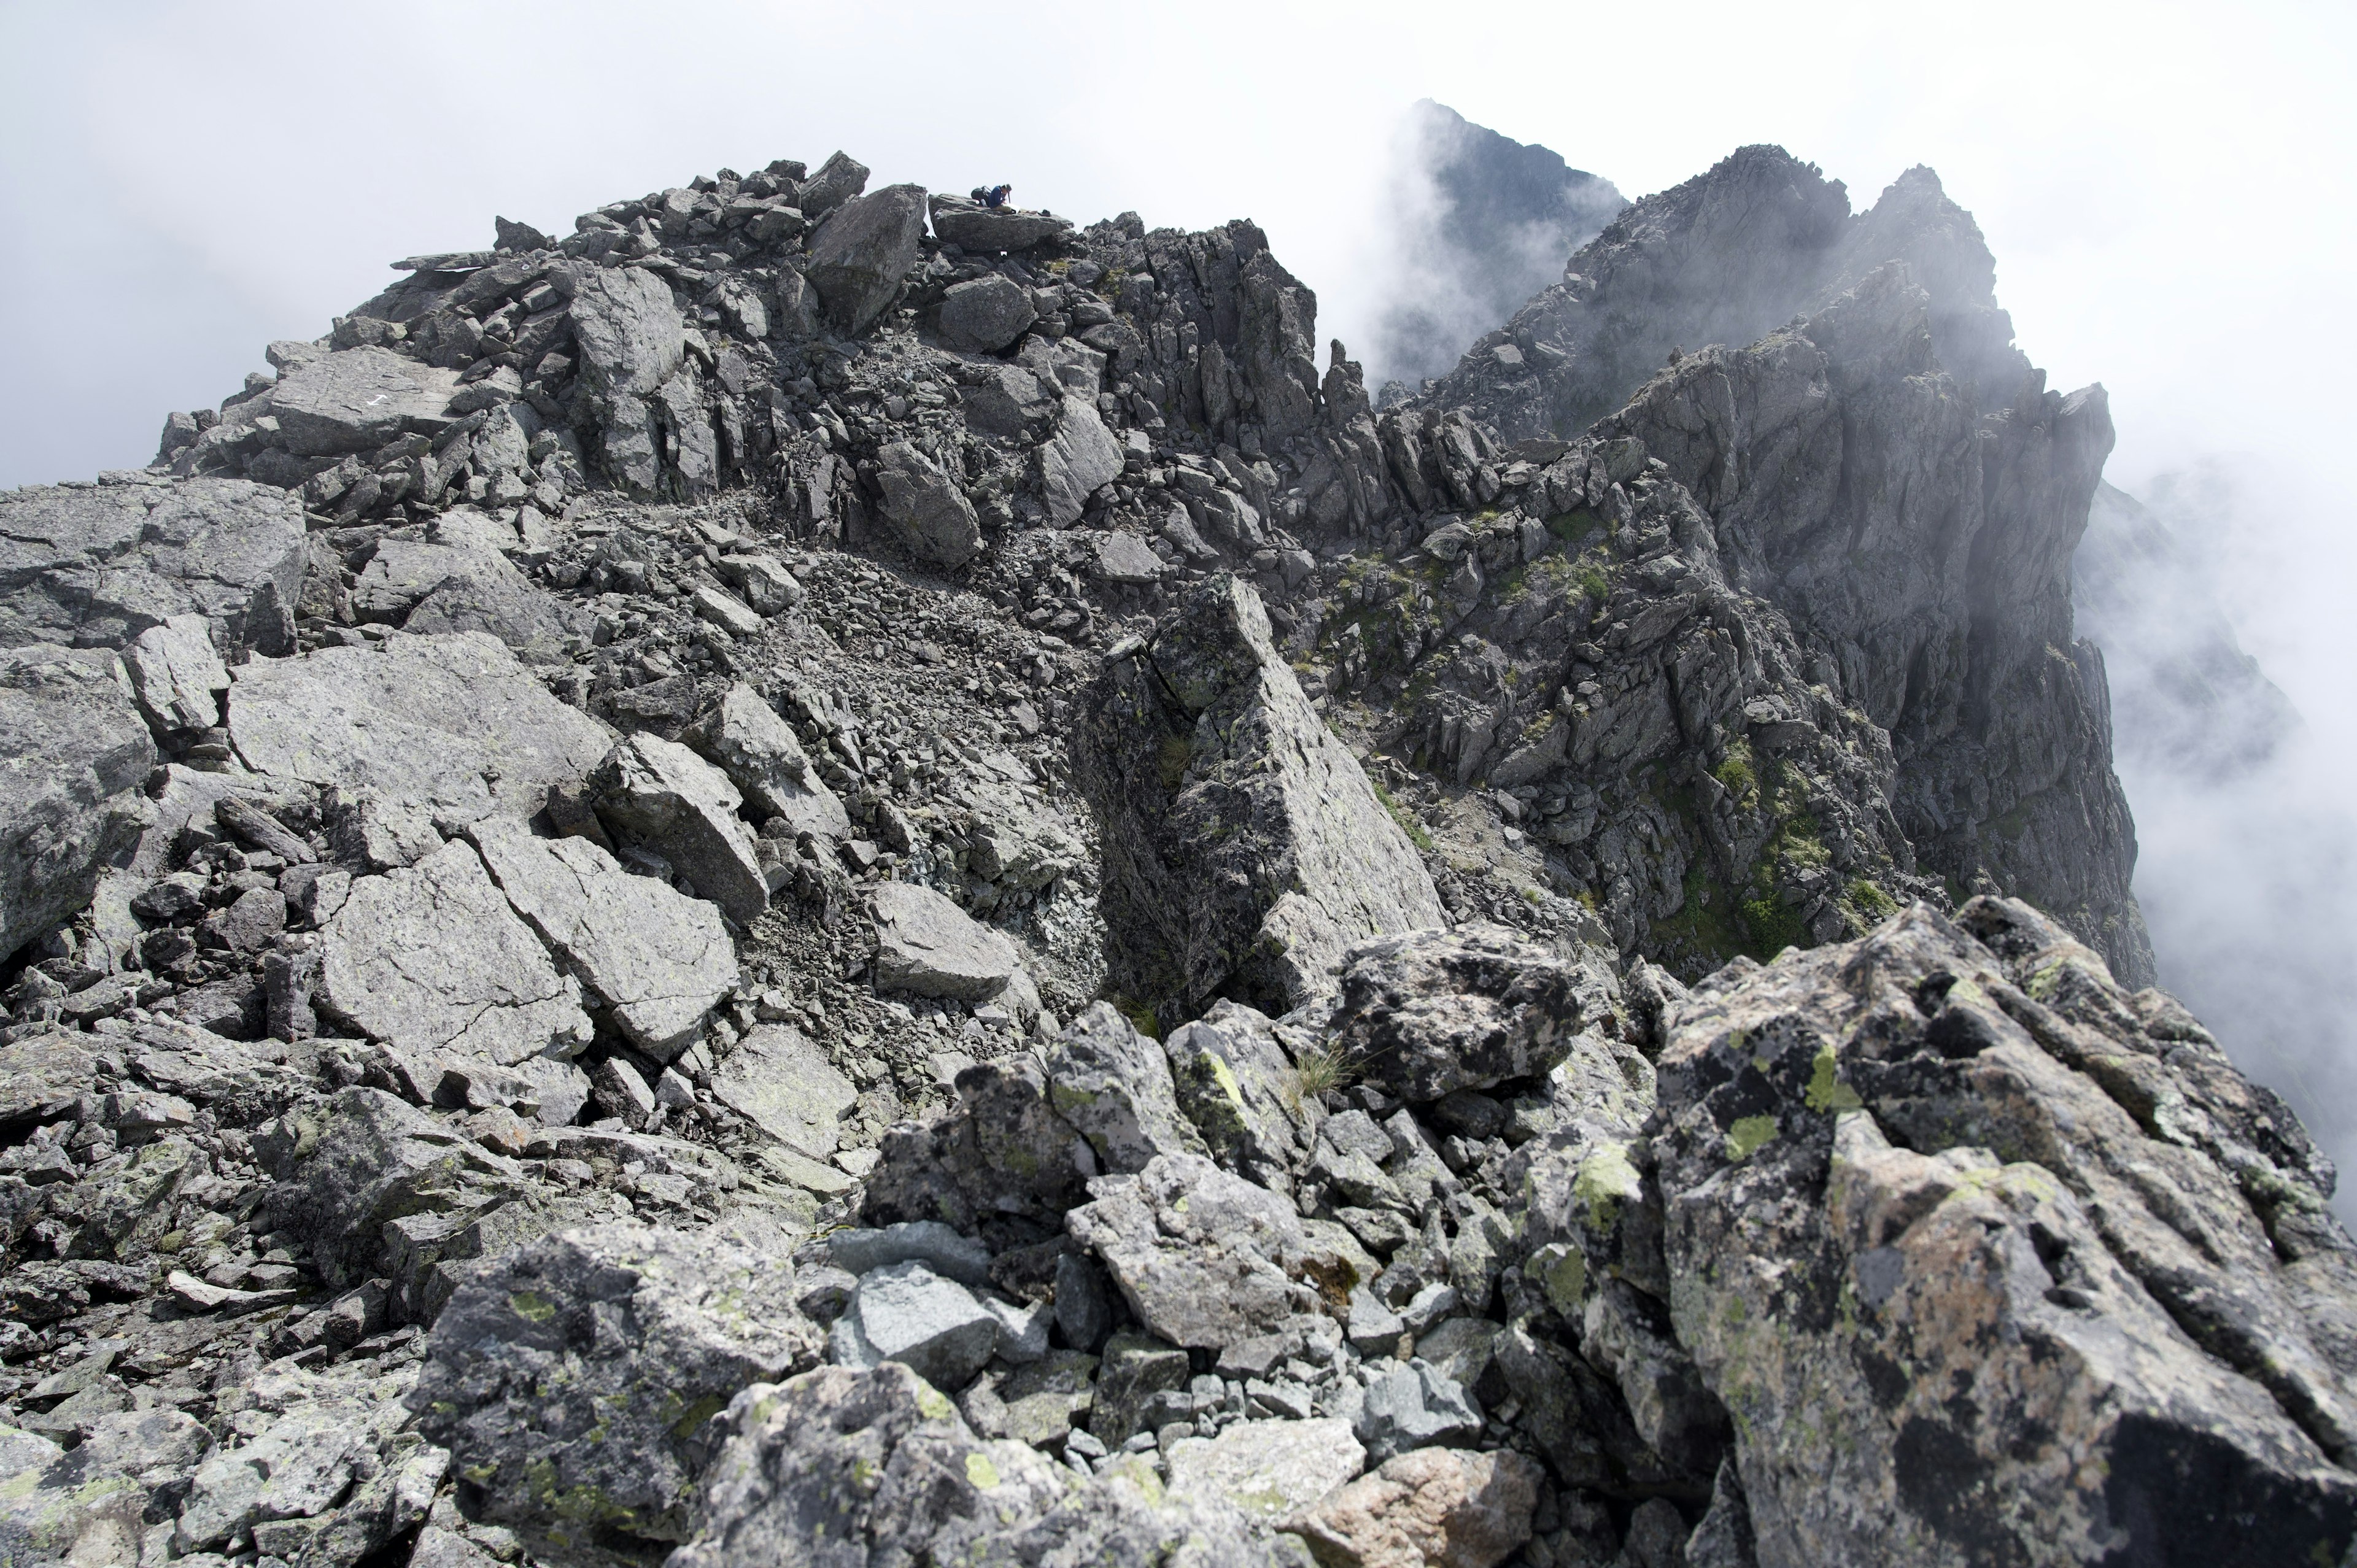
[(1433, 1012), (1434, 1505), (777, 1079), (73, 752), (831, 184), (1113, 1085), (1244, 851), (762, 756), (1008, 402), (925, 944), (961, 221), (451, 725), (95, 565), (574, 1383), (658, 792), (877, 1466), (1201, 1256), (1081, 459), (432, 958), (632, 341), (906, 1313), (2044, 1204), (987, 314), (356, 400), (659, 960), (1416, 1406), (928, 511), (178, 675), (427, 587), (1236, 1085), (1003, 1151), (863, 251), (1268, 1468)]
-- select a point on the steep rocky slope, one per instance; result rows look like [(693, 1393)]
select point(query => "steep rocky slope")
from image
[(824, 875)]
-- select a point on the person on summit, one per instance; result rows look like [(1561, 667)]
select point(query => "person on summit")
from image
[(993, 197)]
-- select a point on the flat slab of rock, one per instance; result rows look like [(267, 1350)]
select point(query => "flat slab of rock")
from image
[(176, 674), (969, 225), (658, 958), (783, 1083), (987, 314), (928, 945), (432, 957), (764, 758), (450, 724), (356, 400), (1126, 558), (1269, 1468), (928, 511), (1436, 1505), (907, 1312), (1081, 459), (632, 341), (863, 251), (664, 796), (98, 565), (73, 754)]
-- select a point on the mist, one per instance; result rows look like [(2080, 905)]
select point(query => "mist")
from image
[(2167, 203)]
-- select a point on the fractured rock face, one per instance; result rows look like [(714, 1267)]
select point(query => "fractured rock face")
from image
[(863, 252), (2014, 1157), (1200, 1255), (660, 960), (357, 400), (432, 958), (933, 518), (987, 314), (762, 756), (1082, 457), (1441, 1011), (1245, 849), (659, 792), (784, 1085), (76, 753), (450, 724), (632, 342)]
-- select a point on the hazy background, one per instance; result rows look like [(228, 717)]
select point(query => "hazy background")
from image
[(2165, 189)]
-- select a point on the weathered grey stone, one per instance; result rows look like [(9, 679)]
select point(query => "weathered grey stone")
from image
[(831, 184), (432, 957), (907, 1312), (1236, 1085), (987, 314), (1244, 851), (971, 226), (1113, 1085), (928, 945), (1133, 1370), (1434, 1011), (449, 725), (658, 959), (1433, 1506), (1268, 1468), (764, 582), (356, 400), (862, 253), (176, 674), (482, 592), (1416, 1406), (2018, 1246), (1037, 1403), (1125, 558), (759, 752), (1083, 1302), (927, 1242), (573, 1383), (783, 1084), (632, 342), (1201, 1256), (1007, 402), (929, 512), (1081, 459), (658, 792), (93, 566), (76, 753), (621, 1092)]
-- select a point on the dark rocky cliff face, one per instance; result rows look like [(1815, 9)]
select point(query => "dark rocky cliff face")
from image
[(823, 872)]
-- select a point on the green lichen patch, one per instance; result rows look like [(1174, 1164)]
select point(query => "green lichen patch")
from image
[(1746, 1137), (1826, 1093)]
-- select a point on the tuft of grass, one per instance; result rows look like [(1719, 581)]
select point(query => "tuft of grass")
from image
[(1735, 771), (1318, 1071), (1402, 816), (1171, 759), (1594, 583)]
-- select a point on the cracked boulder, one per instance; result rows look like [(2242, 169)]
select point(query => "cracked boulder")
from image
[(1204, 1259), (744, 737), (861, 254), (928, 513), (73, 755), (658, 793), (1429, 1014), (1244, 850), (2044, 1204), (658, 958)]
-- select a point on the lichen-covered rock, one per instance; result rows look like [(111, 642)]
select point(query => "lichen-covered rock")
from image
[(1244, 850), (1238, 1086), (1113, 1085), (1933, 1192), (1203, 1258), (76, 752), (574, 1384), (1439, 1011), (1268, 1467), (780, 1082)]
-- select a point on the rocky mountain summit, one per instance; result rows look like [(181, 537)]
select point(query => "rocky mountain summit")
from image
[(821, 875)]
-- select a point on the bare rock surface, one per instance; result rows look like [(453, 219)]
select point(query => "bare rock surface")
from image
[(77, 752)]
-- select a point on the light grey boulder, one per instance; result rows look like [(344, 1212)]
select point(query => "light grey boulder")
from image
[(928, 945), (178, 675), (928, 511), (969, 225), (432, 957), (1014, 842), (763, 757), (451, 725), (573, 1382), (1202, 1257), (831, 184), (927, 1242), (1268, 1468), (632, 341), (1126, 558), (1416, 1406), (659, 960), (356, 400), (907, 1312), (1007, 402), (1436, 1011), (97, 565), (764, 580), (861, 254), (1113, 1085), (76, 753), (1244, 851), (478, 590), (1082, 458), (987, 314), (1237, 1087), (777, 1078), (658, 792)]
